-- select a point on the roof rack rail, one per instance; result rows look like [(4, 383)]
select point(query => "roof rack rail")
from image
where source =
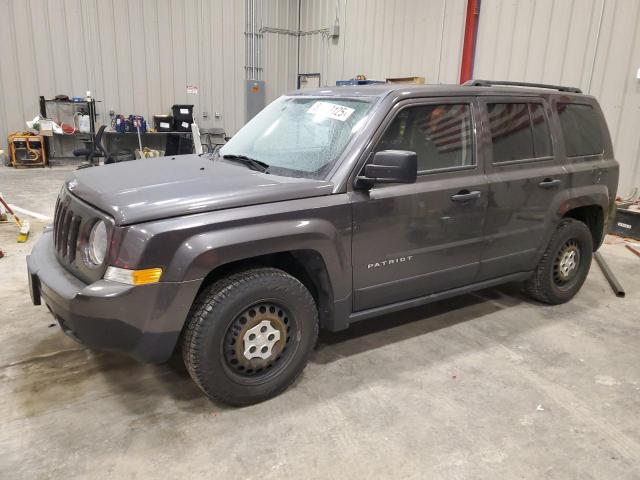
[(489, 83)]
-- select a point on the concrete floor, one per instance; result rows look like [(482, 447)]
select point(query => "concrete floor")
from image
[(488, 385)]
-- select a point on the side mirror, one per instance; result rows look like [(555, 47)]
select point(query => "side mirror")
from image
[(391, 166)]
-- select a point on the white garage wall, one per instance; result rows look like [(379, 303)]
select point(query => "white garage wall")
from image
[(591, 44), (137, 56), (280, 59), (384, 38)]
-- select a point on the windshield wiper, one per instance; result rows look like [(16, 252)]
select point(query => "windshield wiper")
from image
[(248, 161)]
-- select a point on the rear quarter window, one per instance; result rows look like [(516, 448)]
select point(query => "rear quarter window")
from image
[(581, 129)]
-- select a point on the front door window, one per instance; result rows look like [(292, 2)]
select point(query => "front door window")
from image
[(441, 135)]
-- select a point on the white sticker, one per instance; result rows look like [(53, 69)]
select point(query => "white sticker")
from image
[(331, 110), (184, 110), (185, 125), (192, 89), (164, 125)]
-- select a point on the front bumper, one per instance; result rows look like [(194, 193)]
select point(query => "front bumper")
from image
[(142, 321)]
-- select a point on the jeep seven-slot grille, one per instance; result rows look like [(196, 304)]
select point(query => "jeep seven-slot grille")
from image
[(72, 224), (66, 226)]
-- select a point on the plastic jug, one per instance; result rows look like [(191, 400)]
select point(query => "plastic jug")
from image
[(84, 123)]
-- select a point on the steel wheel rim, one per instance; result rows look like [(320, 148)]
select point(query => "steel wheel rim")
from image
[(567, 264), (243, 347)]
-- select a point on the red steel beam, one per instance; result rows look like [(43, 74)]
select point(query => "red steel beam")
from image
[(470, 35)]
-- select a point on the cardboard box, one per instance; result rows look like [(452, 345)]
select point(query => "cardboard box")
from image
[(412, 80)]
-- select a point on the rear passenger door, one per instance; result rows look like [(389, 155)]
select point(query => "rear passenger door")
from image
[(525, 177)]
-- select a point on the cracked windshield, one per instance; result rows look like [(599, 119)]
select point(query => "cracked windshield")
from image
[(300, 136)]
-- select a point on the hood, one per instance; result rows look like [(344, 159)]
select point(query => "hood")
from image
[(155, 188)]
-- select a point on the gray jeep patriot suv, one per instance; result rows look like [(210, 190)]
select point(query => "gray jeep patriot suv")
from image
[(329, 207)]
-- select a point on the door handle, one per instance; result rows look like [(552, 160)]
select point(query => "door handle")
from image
[(465, 196), (549, 183)]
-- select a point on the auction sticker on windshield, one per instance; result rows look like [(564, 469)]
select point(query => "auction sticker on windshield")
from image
[(331, 110)]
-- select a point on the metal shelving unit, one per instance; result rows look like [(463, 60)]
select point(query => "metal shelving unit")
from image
[(89, 106)]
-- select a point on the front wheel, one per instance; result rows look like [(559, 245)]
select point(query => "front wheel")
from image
[(564, 265), (250, 335)]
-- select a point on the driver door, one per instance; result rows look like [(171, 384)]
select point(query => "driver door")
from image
[(412, 240)]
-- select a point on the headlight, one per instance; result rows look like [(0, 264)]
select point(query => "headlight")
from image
[(97, 247)]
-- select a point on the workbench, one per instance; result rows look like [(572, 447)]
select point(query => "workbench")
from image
[(173, 143)]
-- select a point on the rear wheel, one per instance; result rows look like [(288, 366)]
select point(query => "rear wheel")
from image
[(565, 264), (250, 335)]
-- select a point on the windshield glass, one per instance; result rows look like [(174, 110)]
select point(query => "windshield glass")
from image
[(300, 136)]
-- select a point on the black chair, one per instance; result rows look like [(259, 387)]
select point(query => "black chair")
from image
[(98, 150)]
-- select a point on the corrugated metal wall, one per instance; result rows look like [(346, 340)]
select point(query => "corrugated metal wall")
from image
[(591, 44), (280, 58), (137, 56), (384, 38)]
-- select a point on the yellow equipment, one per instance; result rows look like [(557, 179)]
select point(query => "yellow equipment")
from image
[(26, 150)]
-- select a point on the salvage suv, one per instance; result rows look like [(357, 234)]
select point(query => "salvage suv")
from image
[(329, 207)]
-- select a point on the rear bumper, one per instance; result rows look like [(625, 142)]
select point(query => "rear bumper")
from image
[(142, 321)]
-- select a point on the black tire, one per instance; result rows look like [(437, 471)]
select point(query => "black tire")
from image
[(554, 282), (220, 325)]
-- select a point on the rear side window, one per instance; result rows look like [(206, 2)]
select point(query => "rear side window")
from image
[(519, 131), (581, 129), (441, 135)]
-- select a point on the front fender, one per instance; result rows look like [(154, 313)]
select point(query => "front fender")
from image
[(201, 253)]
